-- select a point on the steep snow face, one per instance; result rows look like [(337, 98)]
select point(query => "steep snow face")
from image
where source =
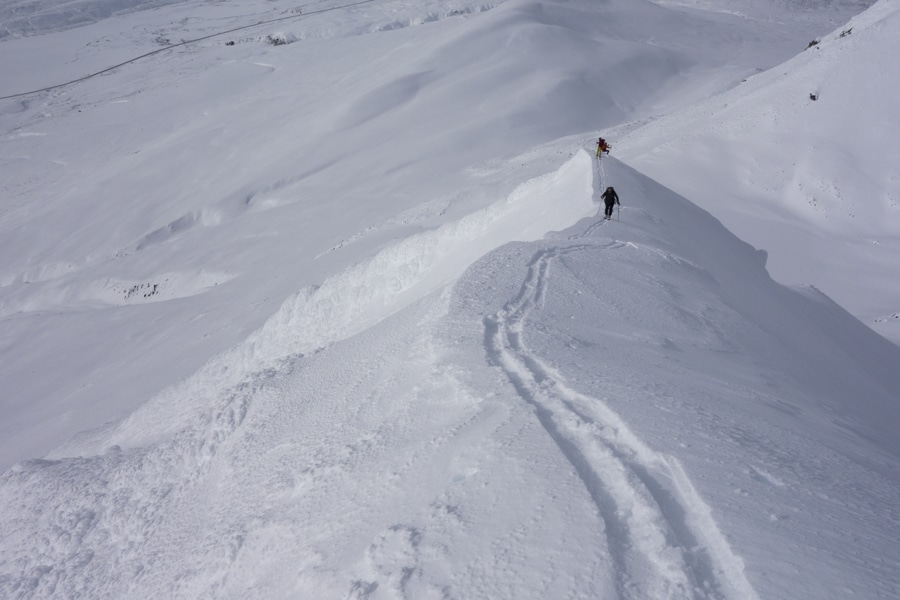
[(802, 161)]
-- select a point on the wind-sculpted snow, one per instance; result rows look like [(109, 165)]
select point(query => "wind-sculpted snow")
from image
[(600, 413), (431, 369), (356, 299), (96, 532)]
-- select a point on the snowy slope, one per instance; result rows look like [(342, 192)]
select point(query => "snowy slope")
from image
[(627, 409), (158, 214), (338, 319), (812, 181)]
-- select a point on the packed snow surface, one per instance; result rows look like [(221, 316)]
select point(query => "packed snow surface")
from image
[(318, 301)]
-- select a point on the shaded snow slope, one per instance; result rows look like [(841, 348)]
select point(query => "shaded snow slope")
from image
[(626, 409), (812, 181)]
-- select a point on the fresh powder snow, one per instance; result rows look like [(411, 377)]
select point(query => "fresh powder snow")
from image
[(318, 300)]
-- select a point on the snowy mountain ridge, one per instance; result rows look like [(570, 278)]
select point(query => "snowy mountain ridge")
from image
[(341, 319)]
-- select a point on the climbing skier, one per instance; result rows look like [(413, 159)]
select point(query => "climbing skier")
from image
[(610, 198), (602, 147)]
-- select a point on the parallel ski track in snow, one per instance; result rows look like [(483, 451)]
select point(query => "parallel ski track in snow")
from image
[(660, 533)]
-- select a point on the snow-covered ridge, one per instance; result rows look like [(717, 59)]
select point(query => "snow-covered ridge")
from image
[(169, 445), (356, 299), (307, 306), (634, 341)]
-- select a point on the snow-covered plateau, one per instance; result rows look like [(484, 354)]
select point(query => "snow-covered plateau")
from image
[(317, 300)]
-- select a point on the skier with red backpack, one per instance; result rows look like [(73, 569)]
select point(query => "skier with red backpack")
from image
[(602, 147)]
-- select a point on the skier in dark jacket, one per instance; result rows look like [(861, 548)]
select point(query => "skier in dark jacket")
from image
[(611, 198)]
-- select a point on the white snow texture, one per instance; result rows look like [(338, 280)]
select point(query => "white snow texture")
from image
[(319, 301)]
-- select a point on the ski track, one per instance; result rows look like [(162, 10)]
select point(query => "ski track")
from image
[(660, 533)]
